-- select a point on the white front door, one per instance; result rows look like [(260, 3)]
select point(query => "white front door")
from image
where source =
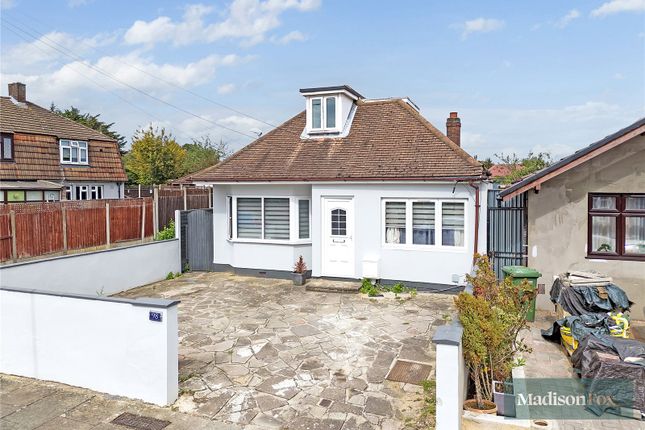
[(338, 237)]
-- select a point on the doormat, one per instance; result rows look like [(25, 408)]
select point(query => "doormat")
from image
[(139, 422), (409, 372)]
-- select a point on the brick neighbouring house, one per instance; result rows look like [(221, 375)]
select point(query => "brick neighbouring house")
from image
[(45, 157)]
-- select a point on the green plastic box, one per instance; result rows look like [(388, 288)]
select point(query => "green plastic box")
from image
[(518, 274)]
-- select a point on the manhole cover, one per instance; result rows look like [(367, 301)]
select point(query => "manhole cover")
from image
[(409, 372), (139, 422)]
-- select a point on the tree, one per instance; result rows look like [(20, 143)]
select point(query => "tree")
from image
[(155, 157), (524, 166), (91, 121), (203, 153)]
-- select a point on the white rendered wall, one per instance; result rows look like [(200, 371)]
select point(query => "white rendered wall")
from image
[(97, 273), (415, 265), (255, 255), (103, 344)]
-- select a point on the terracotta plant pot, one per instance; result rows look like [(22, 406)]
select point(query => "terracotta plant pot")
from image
[(489, 407)]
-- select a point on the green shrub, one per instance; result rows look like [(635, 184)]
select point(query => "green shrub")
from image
[(167, 233)]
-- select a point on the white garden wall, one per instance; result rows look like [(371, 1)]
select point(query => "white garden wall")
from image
[(97, 273), (105, 344)]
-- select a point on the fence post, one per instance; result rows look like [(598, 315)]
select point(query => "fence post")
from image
[(139, 190), (143, 219), (210, 196), (155, 210), (107, 223), (64, 219), (185, 200), (14, 245), (451, 376)]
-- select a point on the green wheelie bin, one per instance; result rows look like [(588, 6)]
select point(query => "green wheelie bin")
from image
[(518, 274)]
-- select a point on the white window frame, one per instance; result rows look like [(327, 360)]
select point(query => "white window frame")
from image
[(438, 207), (323, 113), (82, 147), (293, 220), (96, 190)]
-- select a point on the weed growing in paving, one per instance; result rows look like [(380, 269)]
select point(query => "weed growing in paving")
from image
[(374, 290)]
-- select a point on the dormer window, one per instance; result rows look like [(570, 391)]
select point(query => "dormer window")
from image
[(330, 111), (73, 151), (323, 111)]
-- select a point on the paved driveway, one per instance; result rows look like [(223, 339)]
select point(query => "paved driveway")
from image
[(262, 352)]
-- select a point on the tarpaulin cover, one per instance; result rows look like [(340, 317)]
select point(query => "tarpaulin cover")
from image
[(580, 325), (600, 361), (582, 299)]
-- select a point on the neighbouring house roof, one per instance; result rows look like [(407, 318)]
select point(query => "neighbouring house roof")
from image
[(388, 140), (29, 185), (36, 149), (575, 159), (501, 170), (30, 118)]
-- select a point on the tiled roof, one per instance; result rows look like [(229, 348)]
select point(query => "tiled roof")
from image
[(388, 140), (499, 170), (36, 150), (30, 118)]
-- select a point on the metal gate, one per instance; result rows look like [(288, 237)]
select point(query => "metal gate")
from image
[(507, 231), (197, 239)]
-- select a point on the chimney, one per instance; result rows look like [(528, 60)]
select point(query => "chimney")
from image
[(453, 128), (18, 91)]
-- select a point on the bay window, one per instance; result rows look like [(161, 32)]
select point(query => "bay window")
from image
[(269, 218), (616, 226), (422, 223)]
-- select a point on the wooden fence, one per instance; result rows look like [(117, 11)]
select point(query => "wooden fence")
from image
[(33, 229), (167, 200)]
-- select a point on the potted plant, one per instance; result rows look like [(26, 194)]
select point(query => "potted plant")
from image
[(300, 272), (492, 318)]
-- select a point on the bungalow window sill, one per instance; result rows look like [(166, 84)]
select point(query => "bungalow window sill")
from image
[(271, 241), (615, 257)]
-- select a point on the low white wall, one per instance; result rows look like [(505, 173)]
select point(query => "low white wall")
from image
[(104, 344), (97, 273)]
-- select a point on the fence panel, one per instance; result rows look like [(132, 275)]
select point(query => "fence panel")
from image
[(125, 221), (40, 227), (5, 237), (85, 224)]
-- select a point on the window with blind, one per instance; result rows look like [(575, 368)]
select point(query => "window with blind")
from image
[(249, 218), (303, 219), (424, 223), (276, 219), (616, 227), (395, 221), (269, 218), (452, 224)]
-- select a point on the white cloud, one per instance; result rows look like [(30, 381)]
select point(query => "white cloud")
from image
[(247, 20), (293, 36), (7, 4), (47, 49), (617, 6), (619, 76), (479, 25), (74, 79), (565, 20), (225, 89)]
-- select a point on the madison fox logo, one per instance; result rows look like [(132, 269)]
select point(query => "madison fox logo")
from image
[(552, 398)]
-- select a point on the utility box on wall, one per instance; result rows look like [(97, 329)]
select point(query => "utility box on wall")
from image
[(370, 269)]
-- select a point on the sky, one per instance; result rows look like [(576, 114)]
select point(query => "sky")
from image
[(541, 76)]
